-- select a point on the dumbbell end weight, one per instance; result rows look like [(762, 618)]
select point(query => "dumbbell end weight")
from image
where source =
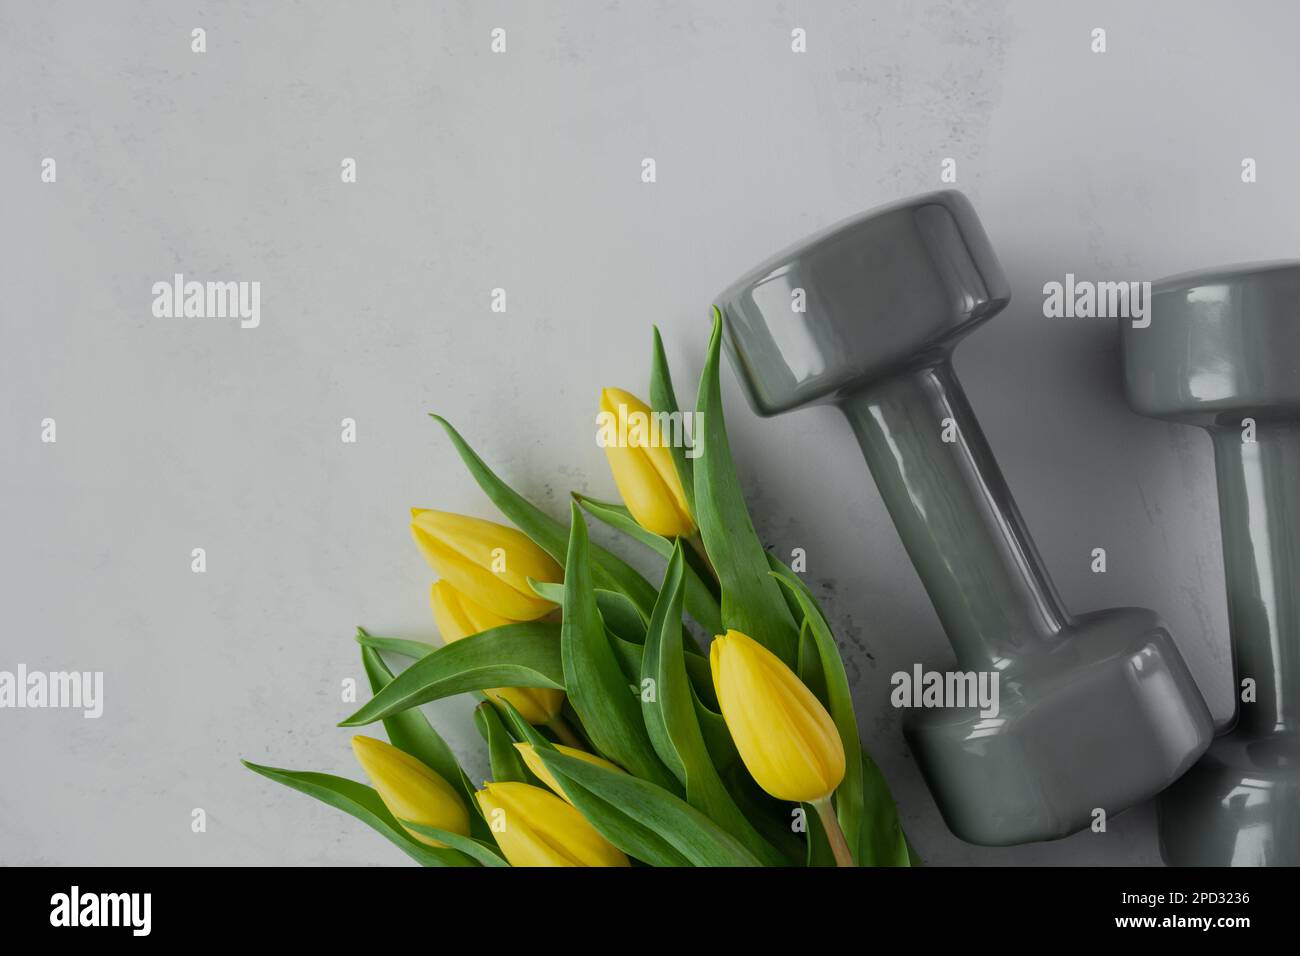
[(1096, 712), (1238, 806), (1101, 722), (890, 289), (1222, 351)]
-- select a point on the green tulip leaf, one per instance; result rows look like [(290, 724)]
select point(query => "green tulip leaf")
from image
[(637, 840), (631, 837), (551, 536), (552, 591), (863, 803), (771, 817), (363, 803), (504, 758), (627, 651), (395, 645), (701, 601), (597, 687), (663, 705), (776, 564), (620, 518), (513, 655), (411, 732), (810, 662), (621, 615), (477, 849), (913, 858), (664, 399), (634, 838), (717, 738), (697, 669), (521, 729), (752, 601), (881, 840), (642, 819), (629, 659), (674, 729), (819, 852)]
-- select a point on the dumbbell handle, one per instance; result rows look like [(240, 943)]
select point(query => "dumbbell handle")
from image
[(1259, 511), (956, 516)]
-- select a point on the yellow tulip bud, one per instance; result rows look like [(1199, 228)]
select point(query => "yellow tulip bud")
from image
[(487, 562), (410, 790), (643, 466), (534, 762), (457, 616), (784, 735), (536, 828)]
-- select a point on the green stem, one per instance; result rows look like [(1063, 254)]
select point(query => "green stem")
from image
[(697, 542), (835, 836), (562, 730)]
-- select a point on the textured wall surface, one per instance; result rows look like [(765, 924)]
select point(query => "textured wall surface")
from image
[(522, 171)]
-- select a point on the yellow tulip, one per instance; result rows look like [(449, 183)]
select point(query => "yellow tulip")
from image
[(410, 790), (534, 762), (643, 467), (487, 562), (457, 616), (784, 735), (536, 828)]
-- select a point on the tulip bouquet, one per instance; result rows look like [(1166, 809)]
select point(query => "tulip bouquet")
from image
[(614, 737)]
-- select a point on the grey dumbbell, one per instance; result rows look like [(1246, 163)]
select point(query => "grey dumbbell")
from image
[(1222, 351), (1097, 711)]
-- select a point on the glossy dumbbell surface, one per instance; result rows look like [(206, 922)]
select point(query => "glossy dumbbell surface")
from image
[(1223, 352), (1097, 711)]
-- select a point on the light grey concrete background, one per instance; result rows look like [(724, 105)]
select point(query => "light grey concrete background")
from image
[(522, 171)]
